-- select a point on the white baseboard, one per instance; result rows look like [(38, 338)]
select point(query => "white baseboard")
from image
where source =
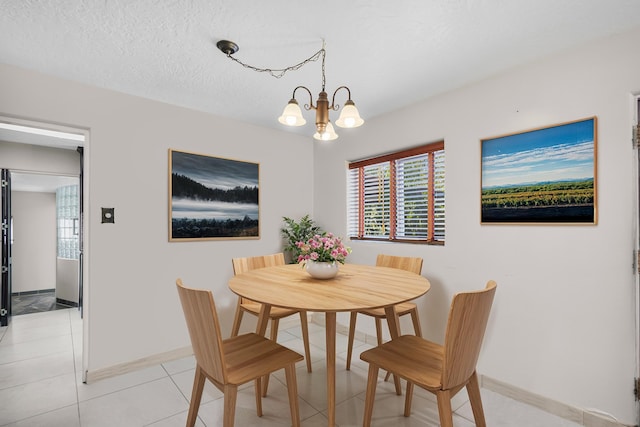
[(581, 416), (145, 362)]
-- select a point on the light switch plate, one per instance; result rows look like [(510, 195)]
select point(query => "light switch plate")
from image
[(108, 216)]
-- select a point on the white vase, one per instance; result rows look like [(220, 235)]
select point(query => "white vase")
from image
[(322, 270)]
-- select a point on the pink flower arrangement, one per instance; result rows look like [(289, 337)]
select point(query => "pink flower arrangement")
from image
[(323, 248)]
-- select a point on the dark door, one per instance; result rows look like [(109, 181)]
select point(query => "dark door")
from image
[(81, 230), (5, 272), (636, 138)]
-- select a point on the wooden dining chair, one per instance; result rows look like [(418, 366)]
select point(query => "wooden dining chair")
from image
[(242, 265), (442, 370), (413, 264), (232, 362)]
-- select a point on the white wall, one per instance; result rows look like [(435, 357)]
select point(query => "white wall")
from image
[(131, 304), (562, 324), (34, 241), (67, 279)]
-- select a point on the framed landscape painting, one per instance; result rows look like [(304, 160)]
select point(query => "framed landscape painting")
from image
[(212, 198), (545, 175)]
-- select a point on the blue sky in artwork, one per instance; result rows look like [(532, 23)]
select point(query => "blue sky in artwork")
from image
[(559, 153)]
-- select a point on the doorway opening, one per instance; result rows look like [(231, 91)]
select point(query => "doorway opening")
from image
[(42, 240)]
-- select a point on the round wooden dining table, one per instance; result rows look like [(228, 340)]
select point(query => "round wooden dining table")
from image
[(356, 287)]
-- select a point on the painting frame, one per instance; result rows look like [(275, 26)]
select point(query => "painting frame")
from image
[(212, 198), (546, 175)]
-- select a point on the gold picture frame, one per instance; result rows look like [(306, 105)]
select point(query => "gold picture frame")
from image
[(542, 176)]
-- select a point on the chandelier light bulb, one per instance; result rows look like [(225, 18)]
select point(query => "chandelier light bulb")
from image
[(329, 134), (292, 115), (349, 116)]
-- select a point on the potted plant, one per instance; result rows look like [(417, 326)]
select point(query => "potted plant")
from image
[(322, 254), (296, 231)]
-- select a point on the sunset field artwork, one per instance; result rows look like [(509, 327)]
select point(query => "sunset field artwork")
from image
[(545, 175)]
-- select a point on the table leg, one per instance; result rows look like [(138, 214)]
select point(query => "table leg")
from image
[(393, 320), (394, 330), (263, 319), (330, 319)]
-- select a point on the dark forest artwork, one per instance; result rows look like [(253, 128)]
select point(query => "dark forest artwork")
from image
[(212, 198)]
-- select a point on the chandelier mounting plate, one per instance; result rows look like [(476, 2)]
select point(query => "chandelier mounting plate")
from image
[(227, 47)]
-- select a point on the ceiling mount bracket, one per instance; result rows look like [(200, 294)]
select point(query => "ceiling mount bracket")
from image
[(227, 47)]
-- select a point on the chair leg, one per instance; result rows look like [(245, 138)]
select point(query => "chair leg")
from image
[(396, 380), (379, 331), (274, 330), (237, 320), (416, 322), (305, 338), (292, 389), (372, 382), (258, 390), (408, 399), (274, 338), (196, 396), (230, 397), (473, 389), (444, 408), (352, 334)]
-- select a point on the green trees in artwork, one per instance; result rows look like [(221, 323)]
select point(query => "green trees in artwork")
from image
[(551, 194)]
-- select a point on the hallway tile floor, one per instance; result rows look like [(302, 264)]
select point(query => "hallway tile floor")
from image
[(41, 385), (35, 303)]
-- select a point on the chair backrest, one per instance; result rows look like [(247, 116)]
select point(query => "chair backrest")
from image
[(413, 264), (467, 323), (204, 330), (242, 265)]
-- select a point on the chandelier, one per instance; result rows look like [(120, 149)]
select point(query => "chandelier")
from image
[(292, 114)]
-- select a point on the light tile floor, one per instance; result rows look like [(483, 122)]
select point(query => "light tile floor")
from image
[(41, 385)]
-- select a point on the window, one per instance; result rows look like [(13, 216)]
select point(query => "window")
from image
[(67, 204), (398, 196)]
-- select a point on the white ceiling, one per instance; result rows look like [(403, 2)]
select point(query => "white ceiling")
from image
[(390, 54), (26, 137), (41, 183)]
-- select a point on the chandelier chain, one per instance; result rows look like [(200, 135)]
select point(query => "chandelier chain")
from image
[(278, 73), (324, 81)]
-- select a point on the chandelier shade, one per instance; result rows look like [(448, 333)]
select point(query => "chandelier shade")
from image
[(292, 114), (349, 116), (328, 134)]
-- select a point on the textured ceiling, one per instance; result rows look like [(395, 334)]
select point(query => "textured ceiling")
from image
[(390, 54)]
